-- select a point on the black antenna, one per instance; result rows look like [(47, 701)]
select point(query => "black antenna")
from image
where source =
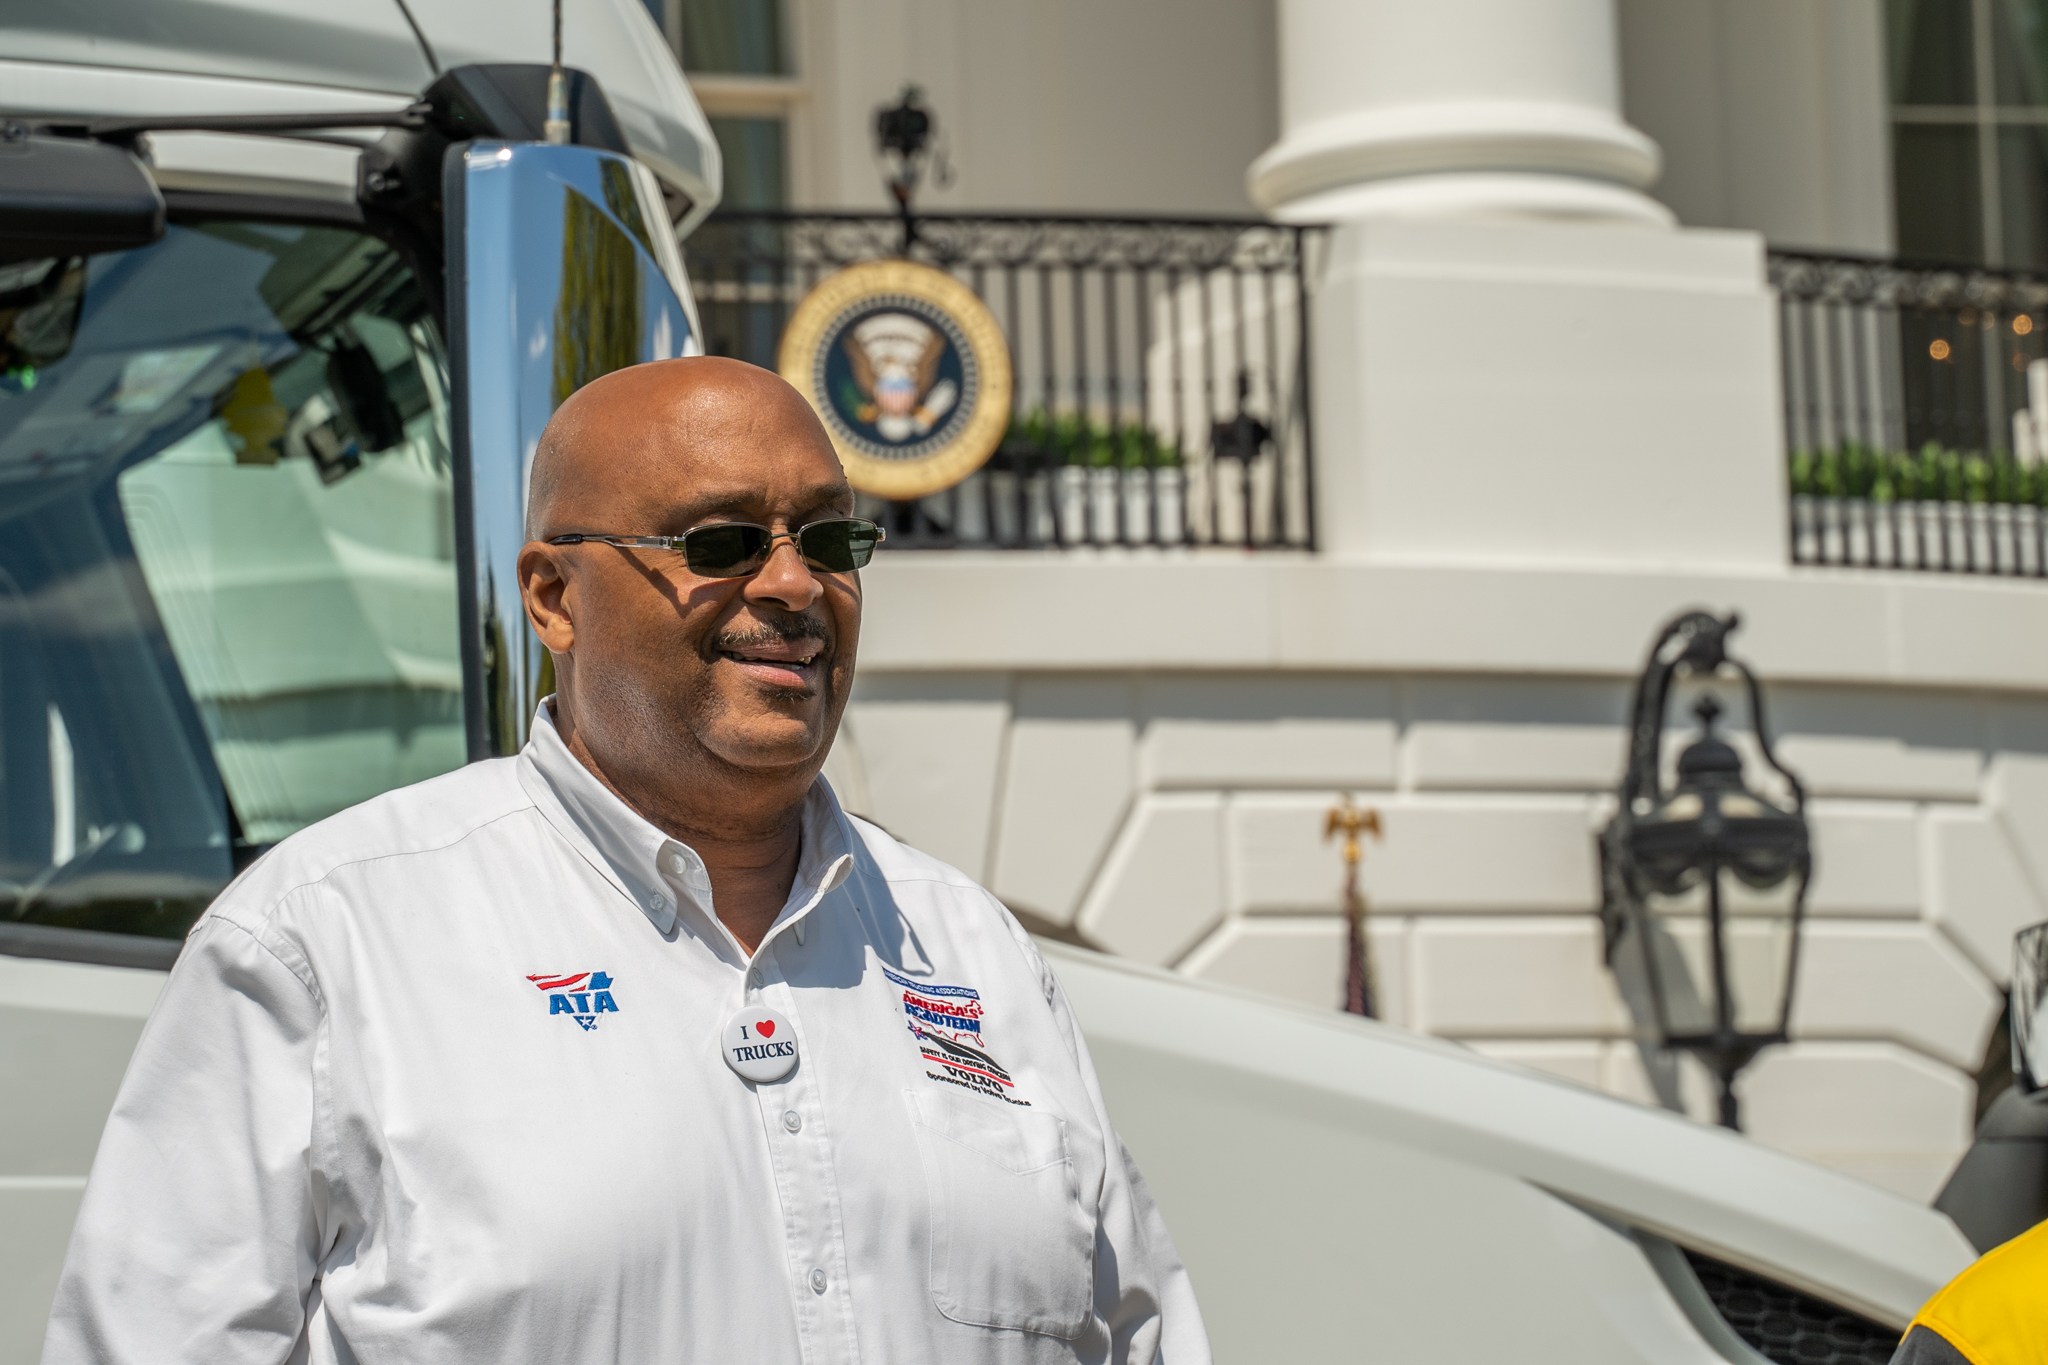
[(556, 129)]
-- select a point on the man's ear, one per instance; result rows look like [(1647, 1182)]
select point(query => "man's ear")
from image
[(544, 589)]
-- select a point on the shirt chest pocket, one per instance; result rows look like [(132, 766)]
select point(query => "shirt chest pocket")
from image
[(1012, 1237)]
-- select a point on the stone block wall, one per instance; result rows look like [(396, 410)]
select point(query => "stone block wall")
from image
[(1176, 817)]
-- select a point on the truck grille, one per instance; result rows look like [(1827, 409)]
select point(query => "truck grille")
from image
[(1789, 1327)]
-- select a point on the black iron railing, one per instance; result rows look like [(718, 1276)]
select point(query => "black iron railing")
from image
[(1161, 367), (1916, 414)]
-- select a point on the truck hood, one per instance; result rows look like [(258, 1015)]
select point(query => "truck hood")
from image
[(1209, 1085)]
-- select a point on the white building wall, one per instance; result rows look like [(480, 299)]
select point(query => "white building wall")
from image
[(1138, 753), (1064, 793), (1113, 106)]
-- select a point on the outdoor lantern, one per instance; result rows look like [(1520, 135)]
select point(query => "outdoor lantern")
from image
[(1705, 883), (903, 133)]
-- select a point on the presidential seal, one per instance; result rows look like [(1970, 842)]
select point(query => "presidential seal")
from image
[(908, 371)]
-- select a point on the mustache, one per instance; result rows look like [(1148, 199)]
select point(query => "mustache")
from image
[(774, 631)]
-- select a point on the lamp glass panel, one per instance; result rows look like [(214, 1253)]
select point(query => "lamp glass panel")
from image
[(2019, 52), (1757, 939), (1759, 934), (1681, 960)]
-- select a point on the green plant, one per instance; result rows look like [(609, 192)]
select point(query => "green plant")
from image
[(1935, 473), (1068, 438)]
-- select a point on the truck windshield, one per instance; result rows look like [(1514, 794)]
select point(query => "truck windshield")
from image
[(227, 579)]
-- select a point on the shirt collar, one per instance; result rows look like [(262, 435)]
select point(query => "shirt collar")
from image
[(652, 869)]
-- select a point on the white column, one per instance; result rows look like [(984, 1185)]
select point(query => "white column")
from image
[(1429, 108), (1519, 361)]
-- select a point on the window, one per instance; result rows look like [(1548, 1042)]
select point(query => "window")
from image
[(732, 37), (737, 56), (1969, 81), (226, 561), (756, 169)]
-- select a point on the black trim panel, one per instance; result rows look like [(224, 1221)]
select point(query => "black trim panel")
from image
[(284, 208), (88, 945)]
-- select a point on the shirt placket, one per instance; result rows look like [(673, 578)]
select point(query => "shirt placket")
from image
[(795, 1126)]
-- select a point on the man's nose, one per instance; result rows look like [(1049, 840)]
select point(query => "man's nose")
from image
[(785, 579)]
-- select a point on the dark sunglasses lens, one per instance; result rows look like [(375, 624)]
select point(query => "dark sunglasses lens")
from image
[(725, 551), (839, 546)]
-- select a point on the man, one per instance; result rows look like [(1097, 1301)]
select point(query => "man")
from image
[(632, 1048)]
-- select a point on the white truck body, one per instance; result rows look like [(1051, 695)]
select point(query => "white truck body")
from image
[(1340, 1190)]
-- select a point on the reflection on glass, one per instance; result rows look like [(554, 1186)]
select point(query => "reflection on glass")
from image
[(747, 321), (39, 306), (226, 566), (2023, 186), (756, 171), (1931, 57), (742, 37), (623, 202), (2019, 51), (1939, 199), (597, 315)]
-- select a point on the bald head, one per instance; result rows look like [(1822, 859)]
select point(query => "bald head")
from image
[(638, 427), (708, 698)]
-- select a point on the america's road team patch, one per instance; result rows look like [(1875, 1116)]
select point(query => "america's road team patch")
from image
[(951, 1031)]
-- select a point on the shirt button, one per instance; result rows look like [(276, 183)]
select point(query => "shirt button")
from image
[(792, 1120), (754, 979), (656, 903), (817, 1281)]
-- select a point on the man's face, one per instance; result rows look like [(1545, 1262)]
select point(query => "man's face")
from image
[(754, 670)]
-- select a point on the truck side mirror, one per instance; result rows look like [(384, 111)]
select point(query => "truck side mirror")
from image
[(2030, 1008), (64, 196), (2000, 1188), (561, 268)]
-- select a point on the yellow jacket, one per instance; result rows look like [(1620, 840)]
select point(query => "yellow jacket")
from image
[(1994, 1313)]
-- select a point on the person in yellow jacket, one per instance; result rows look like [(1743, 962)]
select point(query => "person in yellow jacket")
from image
[(1994, 1313)]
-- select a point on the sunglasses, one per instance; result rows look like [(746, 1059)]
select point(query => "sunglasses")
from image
[(736, 549)]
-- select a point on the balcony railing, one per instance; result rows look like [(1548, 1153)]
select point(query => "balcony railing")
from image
[(1161, 368), (1916, 414)]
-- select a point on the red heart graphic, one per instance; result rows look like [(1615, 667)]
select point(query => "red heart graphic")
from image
[(767, 1027)]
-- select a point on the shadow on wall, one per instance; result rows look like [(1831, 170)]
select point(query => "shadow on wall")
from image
[(1176, 818)]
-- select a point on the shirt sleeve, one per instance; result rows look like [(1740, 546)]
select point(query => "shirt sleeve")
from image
[(198, 1238), (1142, 1291)]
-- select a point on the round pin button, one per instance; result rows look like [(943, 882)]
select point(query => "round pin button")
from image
[(760, 1045)]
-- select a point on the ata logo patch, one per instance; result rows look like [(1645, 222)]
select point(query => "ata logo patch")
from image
[(947, 1023), (583, 996)]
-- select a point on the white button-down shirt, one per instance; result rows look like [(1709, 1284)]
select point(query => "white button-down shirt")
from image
[(440, 1079)]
